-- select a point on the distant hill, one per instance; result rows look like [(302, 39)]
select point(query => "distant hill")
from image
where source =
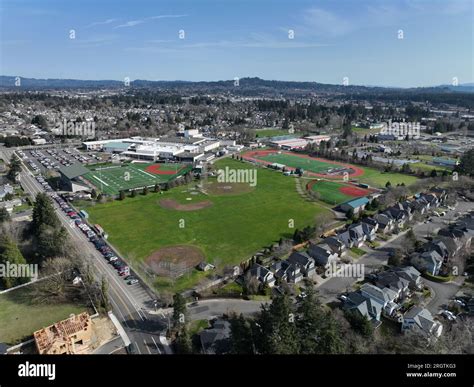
[(245, 86)]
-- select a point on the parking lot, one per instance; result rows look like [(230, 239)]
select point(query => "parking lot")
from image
[(44, 160)]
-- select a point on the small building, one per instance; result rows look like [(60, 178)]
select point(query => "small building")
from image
[(216, 340), (67, 337), (356, 205), (70, 178)]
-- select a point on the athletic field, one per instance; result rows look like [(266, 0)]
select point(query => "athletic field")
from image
[(113, 179), (333, 192), (313, 165)]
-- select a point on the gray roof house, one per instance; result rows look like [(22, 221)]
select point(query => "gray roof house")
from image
[(410, 274), (335, 245), (356, 232), (421, 319), (216, 340), (322, 254), (371, 222), (346, 239), (367, 307), (386, 223), (263, 275), (304, 262), (368, 230), (420, 205), (399, 216), (384, 296), (429, 261), (287, 271), (439, 247), (389, 279)]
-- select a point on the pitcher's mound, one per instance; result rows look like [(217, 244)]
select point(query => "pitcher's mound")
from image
[(173, 261)]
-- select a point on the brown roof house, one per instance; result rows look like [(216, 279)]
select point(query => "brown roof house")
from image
[(66, 337)]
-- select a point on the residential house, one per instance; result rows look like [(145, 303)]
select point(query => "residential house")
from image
[(216, 340), (428, 261), (346, 239), (262, 274), (399, 216), (410, 274), (405, 206), (6, 190), (366, 306), (322, 254), (304, 262), (356, 205), (356, 232), (371, 222), (368, 230), (431, 199), (386, 223), (421, 319), (439, 247), (384, 296), (441, 194), (335, 245), (389, 279), (420, 205), (287, 271)]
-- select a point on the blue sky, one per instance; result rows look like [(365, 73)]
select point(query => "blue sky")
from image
[(224, 39)]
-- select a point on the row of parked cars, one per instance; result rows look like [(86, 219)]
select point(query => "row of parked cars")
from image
[(122, 269), (40, 179)]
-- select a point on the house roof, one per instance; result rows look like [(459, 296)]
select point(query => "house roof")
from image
[(422, 317), (356, 203), (73, 171), (216, 339)]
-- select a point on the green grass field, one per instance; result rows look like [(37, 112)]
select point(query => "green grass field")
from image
[(376, 178), (329, 191), (293, 161), (229, 231), (112, 180), (19, 318)]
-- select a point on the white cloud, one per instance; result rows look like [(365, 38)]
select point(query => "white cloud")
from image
[(324, 23), (134, 23), (101, 23)]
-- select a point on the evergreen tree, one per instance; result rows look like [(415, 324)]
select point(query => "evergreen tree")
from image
[(179, 310), (9, 252)]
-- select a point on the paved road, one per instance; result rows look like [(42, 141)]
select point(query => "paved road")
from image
[(129, 303)]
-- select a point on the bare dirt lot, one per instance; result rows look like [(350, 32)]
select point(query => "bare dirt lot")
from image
[(172, 261)]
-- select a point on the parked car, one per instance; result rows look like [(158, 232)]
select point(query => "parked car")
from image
[(132, 282), (129, 277)]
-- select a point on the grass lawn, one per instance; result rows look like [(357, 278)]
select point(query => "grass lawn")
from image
[(197, 326), (331, 192), (229, 231), (357, 251), (376, 178), (19, 318)]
